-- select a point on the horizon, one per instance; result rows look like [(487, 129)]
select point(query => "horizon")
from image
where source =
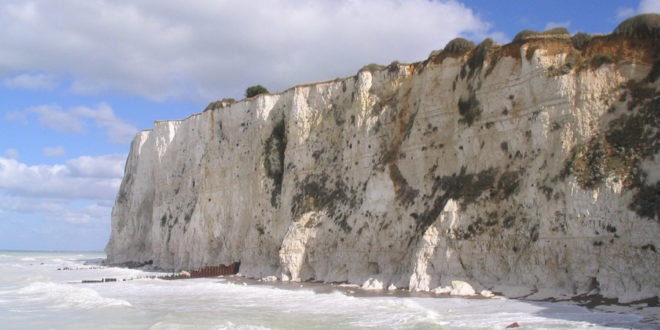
[(53, 251)]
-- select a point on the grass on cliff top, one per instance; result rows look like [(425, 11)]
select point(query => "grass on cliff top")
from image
[(372, 67), (459, 46), (645, 25), (529, 34), (220, 104)]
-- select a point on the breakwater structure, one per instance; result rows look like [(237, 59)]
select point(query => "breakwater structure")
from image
[(530, 169), (210, 271)]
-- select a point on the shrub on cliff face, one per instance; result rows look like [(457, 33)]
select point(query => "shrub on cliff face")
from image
[(655, 72), (469, 109), (599, 59), (393, 67), (581, 40), (459, 46), (646, 25), (212, 106), (255, 90), (274, 150), (480, 55)]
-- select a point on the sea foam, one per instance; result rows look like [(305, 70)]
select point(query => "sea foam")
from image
[(66, 295)]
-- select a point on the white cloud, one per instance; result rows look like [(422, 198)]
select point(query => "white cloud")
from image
[(54, 151), (53, 117), (207, 49), (552, 25), (645, 6), (107, 166), (11, 153), (57, 209), (649, 6), (80, 191), (95, 178), (104, 117), (622, 13), (75, 120), (31, 81)]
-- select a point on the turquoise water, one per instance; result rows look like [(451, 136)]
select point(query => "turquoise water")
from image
[(34, 294)]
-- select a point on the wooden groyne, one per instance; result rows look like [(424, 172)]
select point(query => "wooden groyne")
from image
[(79, 268), (211, 271), (103, 280)]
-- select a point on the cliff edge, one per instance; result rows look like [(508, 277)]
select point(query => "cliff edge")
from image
[(531, 168)]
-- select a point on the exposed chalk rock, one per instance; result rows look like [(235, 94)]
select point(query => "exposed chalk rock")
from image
[(442, 290), (461, 288), (487, 293), (372, 284), (269, 279), (527, 167)]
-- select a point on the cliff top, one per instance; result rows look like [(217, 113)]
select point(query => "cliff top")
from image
[(635, 38)]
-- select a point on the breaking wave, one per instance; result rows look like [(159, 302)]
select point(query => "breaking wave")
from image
[(66, 296)]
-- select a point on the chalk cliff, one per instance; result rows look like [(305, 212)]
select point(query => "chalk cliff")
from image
[(521, 168)]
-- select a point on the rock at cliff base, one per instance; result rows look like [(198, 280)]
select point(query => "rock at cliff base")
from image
[(487, 293), (269, 279), (442, 290), (460, 288), (372, 284)]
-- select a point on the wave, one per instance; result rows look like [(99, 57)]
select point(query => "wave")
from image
[(67, 296), (227, 325), (231, 325)]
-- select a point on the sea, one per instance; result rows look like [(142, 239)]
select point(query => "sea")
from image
[(45, 290)]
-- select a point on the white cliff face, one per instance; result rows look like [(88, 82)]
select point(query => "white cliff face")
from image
[(518, 173)]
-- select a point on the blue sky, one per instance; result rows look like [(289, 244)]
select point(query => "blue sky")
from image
[(79, 78)]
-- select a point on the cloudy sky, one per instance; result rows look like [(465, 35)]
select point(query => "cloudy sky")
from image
[(79, 78)]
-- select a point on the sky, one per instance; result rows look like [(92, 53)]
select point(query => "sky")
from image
[(79, 78)]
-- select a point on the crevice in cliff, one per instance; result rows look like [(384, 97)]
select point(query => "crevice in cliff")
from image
[(405, 194)]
